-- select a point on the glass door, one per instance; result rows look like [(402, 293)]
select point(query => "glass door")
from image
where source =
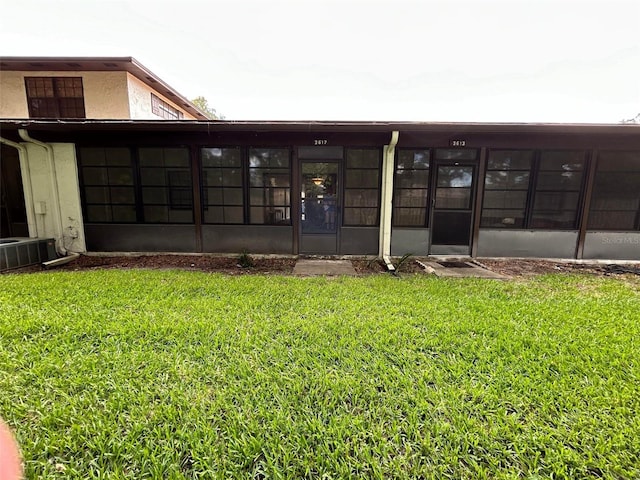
[(319, 207), (452, 209)]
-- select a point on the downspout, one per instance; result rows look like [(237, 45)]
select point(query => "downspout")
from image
[(384, 250), (26, 185), (54, 188)]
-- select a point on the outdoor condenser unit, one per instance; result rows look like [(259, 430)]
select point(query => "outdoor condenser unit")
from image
[(16, 252)]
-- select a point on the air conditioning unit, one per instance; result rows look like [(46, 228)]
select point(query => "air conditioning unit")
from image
[(22, 252)]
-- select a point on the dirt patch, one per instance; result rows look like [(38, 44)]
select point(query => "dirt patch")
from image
[(527, 268), (284, 265)]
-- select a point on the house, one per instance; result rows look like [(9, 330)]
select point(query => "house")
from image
[(330, 188), (88, 87)]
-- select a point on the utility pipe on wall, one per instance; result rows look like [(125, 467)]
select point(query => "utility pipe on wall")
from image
[(386, 200), (54, 188), (26, 186)]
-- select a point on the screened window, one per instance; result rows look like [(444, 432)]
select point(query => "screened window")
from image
[(269, 186), (615, 201), (222, 185), (411, 189), (163, 109), (557, 191), (505, 188), (166, 185), (55, 97), (108, 185), (362, 187), (533, 189)]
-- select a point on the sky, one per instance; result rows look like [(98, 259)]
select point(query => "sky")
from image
[(401, 60)]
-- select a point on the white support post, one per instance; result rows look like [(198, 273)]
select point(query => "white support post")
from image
[(386, 199)]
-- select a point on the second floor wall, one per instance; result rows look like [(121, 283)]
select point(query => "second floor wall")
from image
[(105, 95)]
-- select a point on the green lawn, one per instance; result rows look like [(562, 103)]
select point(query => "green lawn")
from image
[(170, 374)]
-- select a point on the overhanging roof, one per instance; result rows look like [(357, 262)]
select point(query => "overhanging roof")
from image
[(101, 64), (317, 126)]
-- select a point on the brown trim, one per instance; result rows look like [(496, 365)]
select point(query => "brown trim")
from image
[(477, 213), (586, 192)]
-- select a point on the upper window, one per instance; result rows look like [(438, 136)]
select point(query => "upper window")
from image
[(222, 185), (55, 97), (163, 109), (411, 188), (529, 189), (362, 187), (615, 201), (269, 186)]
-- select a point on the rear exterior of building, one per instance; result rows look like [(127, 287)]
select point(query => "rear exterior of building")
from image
[(327, 188)]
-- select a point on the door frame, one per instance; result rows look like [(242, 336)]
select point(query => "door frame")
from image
[(339, 205), (447, 249)]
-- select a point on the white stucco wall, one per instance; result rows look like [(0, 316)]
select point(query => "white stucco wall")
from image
[(105, 93), (140, 101), (68, 191)]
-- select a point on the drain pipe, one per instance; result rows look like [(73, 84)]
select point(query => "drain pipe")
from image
[(27, 188), (387, 200), (54, 187)]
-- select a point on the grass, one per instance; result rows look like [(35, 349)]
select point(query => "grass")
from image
[(170, 374)]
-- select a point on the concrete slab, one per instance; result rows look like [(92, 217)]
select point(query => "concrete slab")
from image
[(330, 268), (458, 268)]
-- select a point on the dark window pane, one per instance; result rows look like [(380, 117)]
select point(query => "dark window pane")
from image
[(124, 213), (619, 161), (221, 157), (154, 195), (269, 196), (360, 216), (120, 176), (99, 213), (96, 194), (156, 214), (361, 198), (413, 159), (455, 154), (412, 178), (152, 176), (118, 157), (411, 198), (453, 198), (233, 196), (612, 220), (510, 159), (180, 216), (409, 217), (95, 176), (556, 201), (505, 199), (179, 178), (92, 156), (270, 215), (151, 157), (494, 218), (362, 178), (268, 157), (505, 179), (259, 177), (176, 157), (554, 219), (559, 181), (363, 158), (564, 161), (122, 195)]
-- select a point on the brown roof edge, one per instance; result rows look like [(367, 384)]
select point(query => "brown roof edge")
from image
[(310, 126), (107, 64)]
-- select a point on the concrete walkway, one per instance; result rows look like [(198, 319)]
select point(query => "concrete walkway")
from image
[(458, 268), (331, 268)]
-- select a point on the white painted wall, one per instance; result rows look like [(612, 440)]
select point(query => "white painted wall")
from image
[(68, 190), (140, 101)]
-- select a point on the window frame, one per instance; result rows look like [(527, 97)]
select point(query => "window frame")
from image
[(165, 110), (56, 101), (426, 187), (346, 188)]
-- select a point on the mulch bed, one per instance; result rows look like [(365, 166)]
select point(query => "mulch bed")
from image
[(284, 265)]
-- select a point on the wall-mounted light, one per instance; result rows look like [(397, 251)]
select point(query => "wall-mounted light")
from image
[(318, 180)]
